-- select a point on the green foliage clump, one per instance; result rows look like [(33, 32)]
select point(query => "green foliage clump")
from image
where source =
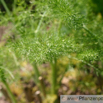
[(53, 29)]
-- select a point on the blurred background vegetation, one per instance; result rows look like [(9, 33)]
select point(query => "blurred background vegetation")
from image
[(50, 48)]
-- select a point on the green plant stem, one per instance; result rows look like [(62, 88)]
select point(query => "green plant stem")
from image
[(38, 27), (54, 77), (9, 92), (39, 81), (5, 6), (14, 5), (37, 74), (42, 86)]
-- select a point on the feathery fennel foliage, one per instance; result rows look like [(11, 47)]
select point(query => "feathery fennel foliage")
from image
[(54, 29)]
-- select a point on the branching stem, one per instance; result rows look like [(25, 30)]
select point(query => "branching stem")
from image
[(38, 27), (9, 92)]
